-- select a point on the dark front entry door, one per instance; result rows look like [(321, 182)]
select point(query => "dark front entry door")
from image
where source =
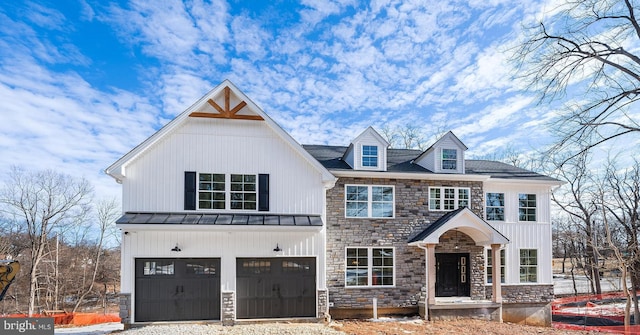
[(177, 289), (276, 287), (452, 275)]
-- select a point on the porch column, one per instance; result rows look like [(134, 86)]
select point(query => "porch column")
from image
[(495, 274), (431, 274)]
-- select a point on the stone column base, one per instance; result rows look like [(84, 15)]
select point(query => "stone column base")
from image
[(228, 315), (125, 309)]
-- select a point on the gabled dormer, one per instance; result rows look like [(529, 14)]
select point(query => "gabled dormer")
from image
[(444, 156), (367, 152)]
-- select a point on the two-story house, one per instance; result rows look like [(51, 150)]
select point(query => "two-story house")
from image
[(226, 217), (413, 231)]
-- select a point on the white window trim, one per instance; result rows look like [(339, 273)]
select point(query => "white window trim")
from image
[(227, 193), (536, 208), (504, 207), (456, 198), (369, 202), (537, 266), (369, 266), (378, 160), (442, 160)]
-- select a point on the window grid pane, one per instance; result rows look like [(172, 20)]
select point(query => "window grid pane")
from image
[(357, 267), (448, 198), (528, 265), (382, 271), (527, 207), (369, 201), (381, 202), (449, 159), (243, 192), (211, 191), (495, 206), (369, 267), (370, 155)]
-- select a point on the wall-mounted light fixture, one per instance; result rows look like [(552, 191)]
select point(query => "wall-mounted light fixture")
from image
[(176, 248), (277, 248), (457, 245)]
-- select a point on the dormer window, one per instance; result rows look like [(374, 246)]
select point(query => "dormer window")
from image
[(449, 159), (369, 156)]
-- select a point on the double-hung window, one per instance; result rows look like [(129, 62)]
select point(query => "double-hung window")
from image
[(528, 265), (448, 198), (369, 156), (369, 267), (527, 207), (211, 191), (220, 191), (490, 266), (243, 191), (363, 201), (449, 159), (495, 206)]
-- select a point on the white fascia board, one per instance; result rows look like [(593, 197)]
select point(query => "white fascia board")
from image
[(118, 169), (133, 227), (526, 181), (410, 175)]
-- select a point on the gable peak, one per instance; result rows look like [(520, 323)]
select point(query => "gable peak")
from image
[(219, 106)]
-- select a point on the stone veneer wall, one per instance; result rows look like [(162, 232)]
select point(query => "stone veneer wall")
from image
[(323, 305), (228, 308), (125, 309), (412, 215), (512, 294)]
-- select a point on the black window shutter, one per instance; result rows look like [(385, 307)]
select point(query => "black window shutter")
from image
[(263, 192), (189, 190)]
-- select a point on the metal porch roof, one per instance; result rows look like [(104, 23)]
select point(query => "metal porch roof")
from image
[(240, 219)]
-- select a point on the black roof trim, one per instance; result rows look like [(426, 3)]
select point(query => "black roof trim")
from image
[(221, 219)]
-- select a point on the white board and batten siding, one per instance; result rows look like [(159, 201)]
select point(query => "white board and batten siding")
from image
[(525, 235), (155, 180), (226, 245)]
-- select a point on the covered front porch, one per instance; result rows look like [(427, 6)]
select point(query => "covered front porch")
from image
[(455, 255)]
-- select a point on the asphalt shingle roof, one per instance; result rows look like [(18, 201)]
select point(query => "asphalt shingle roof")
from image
[(401, 160)]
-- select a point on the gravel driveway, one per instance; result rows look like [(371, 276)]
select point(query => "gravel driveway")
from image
[(254, 329)]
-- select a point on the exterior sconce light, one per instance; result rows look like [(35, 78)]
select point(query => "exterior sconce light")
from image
[(176, 248), (457, 245), (277, 248)]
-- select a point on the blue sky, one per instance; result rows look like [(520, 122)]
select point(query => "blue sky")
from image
[(82, 82)]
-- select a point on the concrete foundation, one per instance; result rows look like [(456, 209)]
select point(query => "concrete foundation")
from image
[(527, 314)]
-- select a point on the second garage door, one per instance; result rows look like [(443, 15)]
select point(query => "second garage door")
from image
[(276, 287)]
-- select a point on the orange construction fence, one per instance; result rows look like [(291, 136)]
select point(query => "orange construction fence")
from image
[(78, 319)]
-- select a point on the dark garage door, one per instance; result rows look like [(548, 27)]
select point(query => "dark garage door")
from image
[(177, 289), (276, 287)]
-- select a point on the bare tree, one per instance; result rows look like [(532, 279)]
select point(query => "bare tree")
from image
[(531, 161), (45, 201), (577, 199), (107, 212), (586, 49), (623, 206)]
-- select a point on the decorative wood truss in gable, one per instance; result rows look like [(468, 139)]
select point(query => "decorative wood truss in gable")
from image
[(227, 112)]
